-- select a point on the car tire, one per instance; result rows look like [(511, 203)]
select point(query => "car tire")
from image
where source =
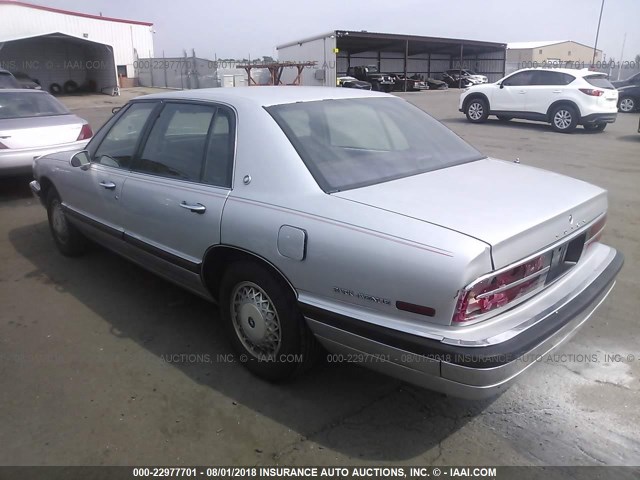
[(55, 89), (70, 87), (564, 119), (264, 324), (67, 237), (627, 104), (504, 118), (477, 110), (595, 127)]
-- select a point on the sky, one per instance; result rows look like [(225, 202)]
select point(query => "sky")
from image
[(252, 28)]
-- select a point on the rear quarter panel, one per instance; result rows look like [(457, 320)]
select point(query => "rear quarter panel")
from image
[(351, 247)]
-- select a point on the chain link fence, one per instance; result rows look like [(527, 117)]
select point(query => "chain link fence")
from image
[(182, 73)]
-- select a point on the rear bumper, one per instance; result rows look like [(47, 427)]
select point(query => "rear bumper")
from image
[(467, 372), (20, 162), (599, 118)]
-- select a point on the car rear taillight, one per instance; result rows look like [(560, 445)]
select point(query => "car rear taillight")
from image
[(85, 133), (501, 288), (595, 231), (594, 92)]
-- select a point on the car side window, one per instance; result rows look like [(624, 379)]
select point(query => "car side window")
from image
[(218, 167), (519, 79), (118, 146), (176, 145), (552, 78)]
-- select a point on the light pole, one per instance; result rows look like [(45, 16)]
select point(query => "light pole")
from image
[(595, 46)]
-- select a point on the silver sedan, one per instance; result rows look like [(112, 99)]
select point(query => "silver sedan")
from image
[(341, 218), (34, 123)]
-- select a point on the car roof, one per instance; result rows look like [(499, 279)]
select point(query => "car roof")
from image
[(266, 95), (24, 90), (584, 72)]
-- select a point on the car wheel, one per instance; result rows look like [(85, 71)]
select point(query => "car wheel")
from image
[(265, 326), (477, 110), (504, 118), (627, 104), (70, 87), (595, 127), (564, 119), (55, 89), (66, 236)]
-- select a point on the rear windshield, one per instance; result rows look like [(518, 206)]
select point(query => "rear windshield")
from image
[(599, 81), (29, 104), (7, 81), (350, 143)]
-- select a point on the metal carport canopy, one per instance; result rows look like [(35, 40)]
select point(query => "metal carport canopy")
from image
[(56, 57), (362, 41)]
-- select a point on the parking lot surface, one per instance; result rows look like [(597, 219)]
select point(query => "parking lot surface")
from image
[(102, 363)]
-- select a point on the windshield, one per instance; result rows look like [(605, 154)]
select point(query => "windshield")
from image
[(350, 143), (29, 104)]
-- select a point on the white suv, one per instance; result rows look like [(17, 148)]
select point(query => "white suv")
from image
[(563, 97)]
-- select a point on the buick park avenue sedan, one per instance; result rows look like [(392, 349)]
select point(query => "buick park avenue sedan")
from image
[(342, 218)]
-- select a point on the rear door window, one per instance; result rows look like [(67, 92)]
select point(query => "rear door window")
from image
[(552, 78), (599, 81), (176, 145), (218, 167)]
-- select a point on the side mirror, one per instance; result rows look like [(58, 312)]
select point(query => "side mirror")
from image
[(501, 85), (115, 110), (80, 159)]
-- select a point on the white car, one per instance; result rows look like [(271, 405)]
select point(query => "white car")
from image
[(563, 97)]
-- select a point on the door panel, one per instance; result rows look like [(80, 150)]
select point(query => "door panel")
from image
[(546, 88), (512, 96), (155, 213), (95, 191), (175, 194)]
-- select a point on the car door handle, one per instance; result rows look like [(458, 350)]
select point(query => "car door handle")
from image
[(108, 185), (522, 92), (556, 91), (197, 208)]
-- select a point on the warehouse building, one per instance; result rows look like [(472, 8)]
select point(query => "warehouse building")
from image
[(336, 51), (66, 50), (559, 53)]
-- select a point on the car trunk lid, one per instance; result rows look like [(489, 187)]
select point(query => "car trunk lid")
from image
[(516, 209), (33, 132)]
